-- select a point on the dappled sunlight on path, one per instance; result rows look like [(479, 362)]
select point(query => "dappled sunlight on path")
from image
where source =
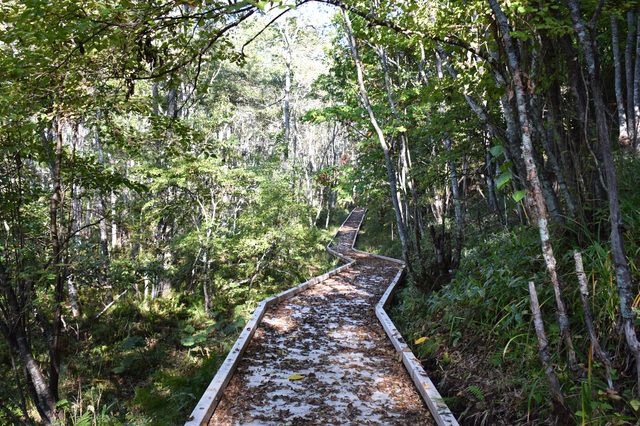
[(322, 357)]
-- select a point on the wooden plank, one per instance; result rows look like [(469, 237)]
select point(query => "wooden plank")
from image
[(212, 395), (439, 409)]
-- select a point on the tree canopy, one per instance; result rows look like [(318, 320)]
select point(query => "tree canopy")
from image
[(191, 155)]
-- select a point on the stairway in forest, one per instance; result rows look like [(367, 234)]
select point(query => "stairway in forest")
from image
[(319, 355)]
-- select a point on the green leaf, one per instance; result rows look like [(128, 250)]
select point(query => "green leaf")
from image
[(188, 341), (519, 195), (64, 402), (503, 180), (497, 150), (131, 342), (504, 167), (233, 326), (217, 326)]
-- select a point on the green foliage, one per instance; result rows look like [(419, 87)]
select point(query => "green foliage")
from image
[(376, 233), (492, 316)]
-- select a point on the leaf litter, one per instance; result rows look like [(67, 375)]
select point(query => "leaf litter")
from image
[(322, 357)]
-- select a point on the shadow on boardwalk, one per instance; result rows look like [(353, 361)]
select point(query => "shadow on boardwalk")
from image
[(322, 357)]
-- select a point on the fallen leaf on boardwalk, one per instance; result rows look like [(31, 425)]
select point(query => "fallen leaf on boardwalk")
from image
[(296, 377), (420, 340)]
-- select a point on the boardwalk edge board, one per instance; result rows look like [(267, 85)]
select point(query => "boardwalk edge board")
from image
[(213, 394), (439, 409)]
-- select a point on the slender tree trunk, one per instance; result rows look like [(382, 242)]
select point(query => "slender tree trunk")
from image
[(628, 63), (404, 161), (41, 392), (623, 272), (102, 204), (205, 279), (328, 218), (56, 245), (287, 91), (102, 212), (563, 160), (73, 296), (391, 173), (584, 296), (532, 176), (636, 86), (623, 135), (72, 228), (492, 200), (156, 95), (455, 191), (172, 100), (114, 224), (543, 346)]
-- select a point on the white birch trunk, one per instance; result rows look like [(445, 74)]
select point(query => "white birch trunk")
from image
[(532, 177), (623, 135)]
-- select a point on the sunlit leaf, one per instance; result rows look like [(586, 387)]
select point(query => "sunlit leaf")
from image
[(420, 340), (188, 341), (518, 195), (296, 377)]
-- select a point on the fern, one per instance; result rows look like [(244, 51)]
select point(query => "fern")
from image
[(476, 391)]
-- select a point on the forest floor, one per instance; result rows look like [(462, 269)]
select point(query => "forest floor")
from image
[(322, 357)]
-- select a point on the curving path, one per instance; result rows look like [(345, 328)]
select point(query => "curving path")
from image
[(322, 357)]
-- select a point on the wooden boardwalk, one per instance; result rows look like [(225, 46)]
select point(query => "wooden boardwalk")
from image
[(322, 357)]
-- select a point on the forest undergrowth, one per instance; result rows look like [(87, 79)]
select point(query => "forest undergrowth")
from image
[(475, 336), (148, 362)]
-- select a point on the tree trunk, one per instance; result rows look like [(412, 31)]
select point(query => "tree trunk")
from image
[(205, 279), (636, 88), (73, 296), (455, 190), (623, 135), (391, 173), (623, 272), (114, 225), (56, 246), (543, 346), (628, 64), (14, 332), (287, 92), (532, 176), (405, 163), (596, 349)]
